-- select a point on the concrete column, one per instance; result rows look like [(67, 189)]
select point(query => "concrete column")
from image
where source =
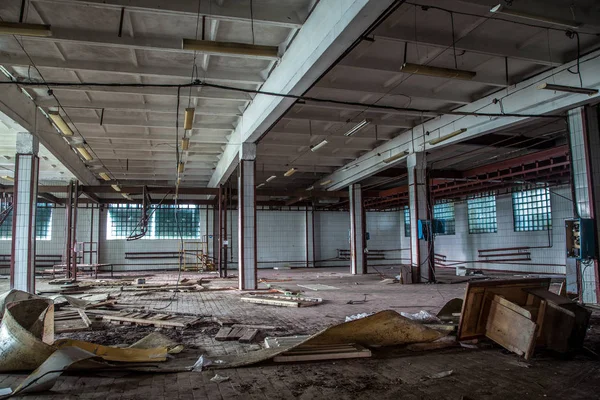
[(421, 251), (584, 139), (247, 218), (358, 242), (22, 262)]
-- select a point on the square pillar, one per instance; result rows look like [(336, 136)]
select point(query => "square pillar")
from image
[(421, 250), (247, 218), (584, 140), (358, 242), (22, 261)]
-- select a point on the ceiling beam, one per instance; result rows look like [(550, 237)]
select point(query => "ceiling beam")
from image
[(285, 17), (147, 123), (217, 76), (305, 116)]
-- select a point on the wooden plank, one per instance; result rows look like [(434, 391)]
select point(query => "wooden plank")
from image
[(271, 302), (85, 318), (157, 323), (222, 334), (524, 312), (351, 351), (248, 336), (478, 298), (511, 330), (549, 296)]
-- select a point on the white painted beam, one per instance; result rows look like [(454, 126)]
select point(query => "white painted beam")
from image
[(281, 16), (148, 123), (383, 122), (23, 112), (523, 98), (331, 28)]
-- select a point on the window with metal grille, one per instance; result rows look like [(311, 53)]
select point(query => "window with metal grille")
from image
[(123, 220), (167, 225), (406, 221), (444, 211), (531, 210), (43, 223), (481, 210)]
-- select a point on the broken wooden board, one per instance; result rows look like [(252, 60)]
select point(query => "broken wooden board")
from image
[(248, 335), (152, 319), (511, 327), (478, 299), (284, 341), (283, 301), (244, 335), (323, 352)]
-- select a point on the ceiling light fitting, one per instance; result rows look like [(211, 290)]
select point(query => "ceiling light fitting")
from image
[(310, 188), (500, 9), (116, 187), (8, 178), (260, 185), (188, 122), (318, 145), (181, 167), (104, 176), (185, 144), (327, 182), (60, 123), (290, 172), (439, 72), (84, 153), (231, 48), (358, 127), (570, 89), (396, 157), (448, 136), (269, 179), (16, 28)]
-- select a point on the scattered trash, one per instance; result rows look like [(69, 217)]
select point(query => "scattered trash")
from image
[(357, 316), (282, 301), (363, 301), (442, 374), (201, 363), (422, 316), (388, 281), (318, 286), (140, 281), (219, 378), (468, 345), (285, 341)]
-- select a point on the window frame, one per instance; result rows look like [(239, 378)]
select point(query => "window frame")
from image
[(448, 216), (475, 204), (406, 221), (532, 199)]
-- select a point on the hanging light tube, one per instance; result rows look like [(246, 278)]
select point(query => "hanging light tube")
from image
[(448, 136), (396, 157), (231, 48), (188, 122), (439, 72), (269, 179), (358, 127), (185, 144), (116, 187), (327, 182), (17, 28), (260, 185), (318, 145), (60, 123), (8, 178), (570, 89), (500, 9), (310, 188), (181, 167), (104, 176), (290, 172), (84, 153), (126, 195)]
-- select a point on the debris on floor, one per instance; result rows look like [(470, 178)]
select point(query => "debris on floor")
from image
[(357, 316), (219, 378), (242, 334), (151, 318), (282, 301), (439, 375), (318, 286), (323, 352), (363, 301), (422, 316)]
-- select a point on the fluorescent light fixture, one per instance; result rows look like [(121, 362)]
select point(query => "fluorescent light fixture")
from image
[(259, 186), (310, 188), (269, 179), (104, 176), (188, 122), (60, 123), (7, 73), (26, 93), (427, 70), (396, 157), (448, 136), (84, 153), (185, 143), (181, 167), (500, 9), (318, 145), (327, 182), (358, 127), (126, 195), (231, 48), (116, 187), (8, 178), (570, 89), (290, 172), (16, 28)]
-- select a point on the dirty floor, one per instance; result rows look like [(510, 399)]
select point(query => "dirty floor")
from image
[(487, 373)]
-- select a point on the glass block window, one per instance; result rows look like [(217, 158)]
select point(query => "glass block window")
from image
[(406, 221), (167, 224), (531, 210), (444, 211), (43, 223), (123, 220), (481, 210)]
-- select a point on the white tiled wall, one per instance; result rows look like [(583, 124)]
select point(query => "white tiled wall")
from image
[(463, 246)]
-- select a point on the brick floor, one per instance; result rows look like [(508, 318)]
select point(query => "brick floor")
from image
[(391, 373)]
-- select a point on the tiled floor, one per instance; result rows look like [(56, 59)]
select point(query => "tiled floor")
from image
[(391, 374)]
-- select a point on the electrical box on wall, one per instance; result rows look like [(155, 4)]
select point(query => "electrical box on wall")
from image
[(581, 238), (427, 228)]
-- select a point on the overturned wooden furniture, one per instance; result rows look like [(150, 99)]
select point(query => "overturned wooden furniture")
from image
[(521, 314)]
